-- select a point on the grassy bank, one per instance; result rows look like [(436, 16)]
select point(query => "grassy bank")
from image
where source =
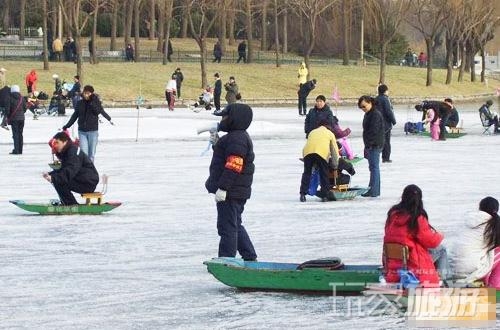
[(122, 82)]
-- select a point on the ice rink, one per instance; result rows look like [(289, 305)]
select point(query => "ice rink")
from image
[(141, 266)]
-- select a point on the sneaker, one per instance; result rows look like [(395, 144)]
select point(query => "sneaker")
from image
[(324, 199), (302, 197), (386, 161)]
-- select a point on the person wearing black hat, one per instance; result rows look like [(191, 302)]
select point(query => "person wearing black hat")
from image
[(231, 175), (77, 172), (87, 112)]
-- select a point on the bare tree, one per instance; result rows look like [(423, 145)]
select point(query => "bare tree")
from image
[(285, 27), (276, 34), (169, 4), (129, 14), (385, 17), (137, 24), (452, 25), (6, 16), (427, 17), (205, 9), (249, 30), (152, 19), (231, 16), (161, 24), (310, 10), (96, 5), (263, 38), (45, 41), (114, 24), (186, 8), (22, 19), (223, 24), (346, 23)]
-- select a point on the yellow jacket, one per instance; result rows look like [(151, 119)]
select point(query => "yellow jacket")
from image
[(57, 45), (322, 141), (303, 73)]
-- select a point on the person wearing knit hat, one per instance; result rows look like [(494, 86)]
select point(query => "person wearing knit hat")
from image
[(14, 116)]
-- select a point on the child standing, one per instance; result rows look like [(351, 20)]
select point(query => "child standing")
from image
[(434, 121), (170, 91)]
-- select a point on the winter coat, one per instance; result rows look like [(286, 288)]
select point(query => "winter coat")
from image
[(171, 86), (315, 116), (322, 141), (432, 118), (231, 91), (419, 259), (57, 45), (453, 118), (4, 99), (17, 108), (468, 248), (75, 90), (87, 112), (303, 73), (179, 78), (31, 79), (485, 109), (443, 109), (373, 129), (232, 164), (306, 88), (487, 270), (75, 167), (217, 50), (385, 107), (218, 87), (242, 48)]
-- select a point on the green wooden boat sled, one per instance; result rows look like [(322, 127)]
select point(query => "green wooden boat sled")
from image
[(448, 135), (323, 276), (49, 209)]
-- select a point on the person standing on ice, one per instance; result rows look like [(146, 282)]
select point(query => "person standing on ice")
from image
[(170, 91), (231, 175), (385, 107), (87, 112), (77, 172)]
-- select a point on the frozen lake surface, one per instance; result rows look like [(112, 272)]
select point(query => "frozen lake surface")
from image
[(140, 266)]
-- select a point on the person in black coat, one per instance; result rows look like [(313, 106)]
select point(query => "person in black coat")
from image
[(242, 52), (77, 172), (87, 112), (373, 139), (443, 110), (4, 100), (231, 176), (217, 52), (14, 116), (320, 113), (384, 105), (179, 78), (303, 92), (217, 91)]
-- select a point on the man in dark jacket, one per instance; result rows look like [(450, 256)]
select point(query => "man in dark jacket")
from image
[(320, 113), (384, 106), (217, 91), (443, 110), (303, 92), (217, 52), (231, 90), (231, 176), (242, 52), (179, 78), (77, 172), (14, 116), (373, 138), (87, 112)]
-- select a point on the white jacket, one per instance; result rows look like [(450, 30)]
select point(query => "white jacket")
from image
[(171, 85), (468, 248)]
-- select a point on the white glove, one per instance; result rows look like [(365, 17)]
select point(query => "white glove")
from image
[(220, 195)]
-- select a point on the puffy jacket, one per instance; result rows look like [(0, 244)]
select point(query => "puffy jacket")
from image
[(231, 91), (232, 164), (303, 73), (419, 260), (315, 116), (306, 88), (75, 167), (322, 141), (373, 129), (16, 109), (31, 79), (385, 107), (87, 112)]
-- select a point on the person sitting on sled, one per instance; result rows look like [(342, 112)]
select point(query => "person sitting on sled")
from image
[(205, 98), (77, 172), (321, 151)]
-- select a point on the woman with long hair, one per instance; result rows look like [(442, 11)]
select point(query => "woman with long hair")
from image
[(407, 224)]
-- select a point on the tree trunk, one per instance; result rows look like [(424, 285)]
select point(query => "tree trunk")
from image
[(483, 64), (428, 44), (223, 26), (263, 38), (346, 29), (53, 26), (249, 28), (185, 20), (461, 56), (93, 57), (129, 14), (114, 25), (203, 60), (152, 19), (383, 58), (449, 61), (276, 34), (285, 30), (230, 22), (166, 37), (6, 15), (137, 24), (45, 43), (22, 19), (161, 25), (79, 64)]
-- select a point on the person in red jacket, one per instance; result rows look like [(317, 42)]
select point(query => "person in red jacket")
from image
[(407, 224), (31, 79)]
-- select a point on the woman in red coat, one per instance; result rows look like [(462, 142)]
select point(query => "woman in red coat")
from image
[(407, 224)]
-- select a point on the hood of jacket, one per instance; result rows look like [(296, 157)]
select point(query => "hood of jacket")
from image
[(476, 218), (237, 116)]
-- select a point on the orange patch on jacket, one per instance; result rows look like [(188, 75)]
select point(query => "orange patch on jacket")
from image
[(234, 163)]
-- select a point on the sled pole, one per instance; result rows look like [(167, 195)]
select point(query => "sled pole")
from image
[(138, 103)]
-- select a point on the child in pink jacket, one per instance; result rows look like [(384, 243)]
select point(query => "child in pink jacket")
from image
[(433, 119)]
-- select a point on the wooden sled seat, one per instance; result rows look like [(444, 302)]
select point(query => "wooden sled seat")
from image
[(98, 195)]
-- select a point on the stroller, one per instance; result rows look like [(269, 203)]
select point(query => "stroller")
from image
[(204, 100), (36, 103)]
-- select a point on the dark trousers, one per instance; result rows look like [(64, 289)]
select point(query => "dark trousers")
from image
[(386, 150), (310, 161), (302, 104), (233, 236), (17, 135), (217, 101), (217, 59), (178, 92), (64, 191), (242, 56), (442, 124)]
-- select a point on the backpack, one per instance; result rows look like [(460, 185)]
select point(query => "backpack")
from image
[(413, 128)]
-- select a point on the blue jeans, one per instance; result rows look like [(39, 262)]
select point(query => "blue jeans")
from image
[(440, 259), (373, 157), (88, 143)]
